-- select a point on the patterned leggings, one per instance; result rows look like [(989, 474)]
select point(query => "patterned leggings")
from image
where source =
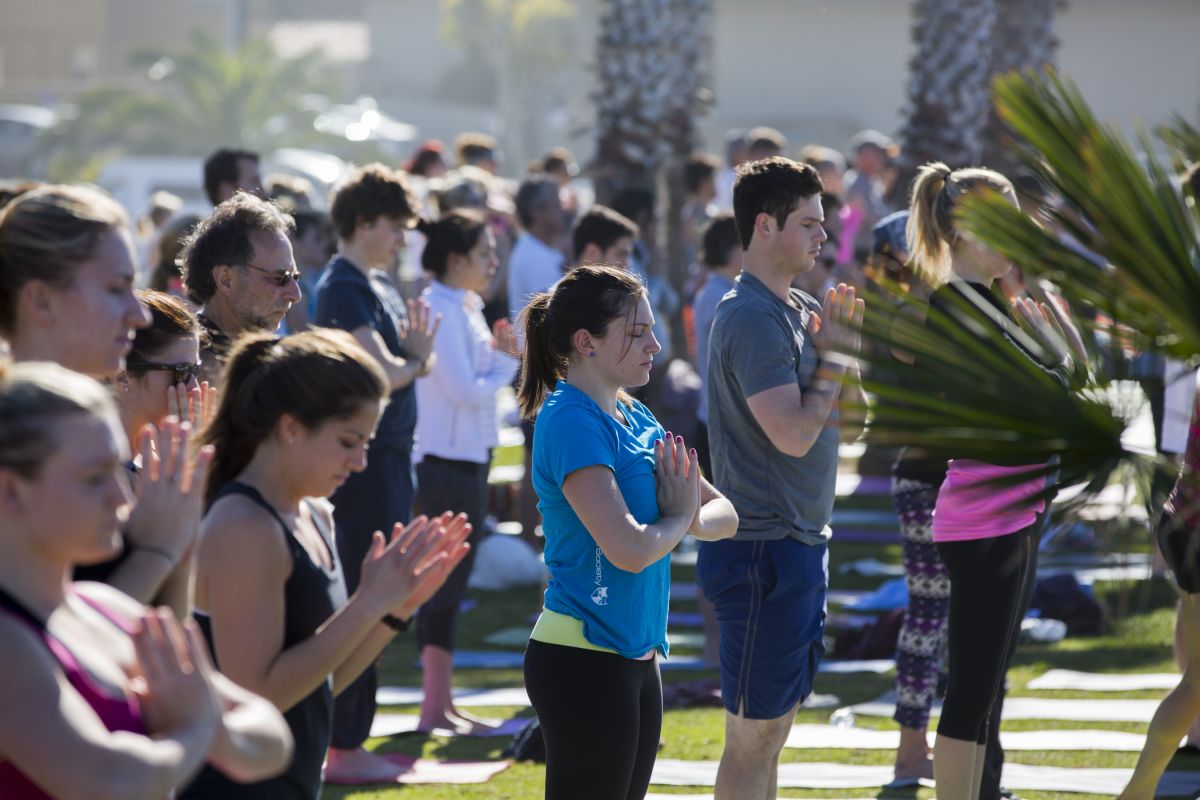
[(919, 651)]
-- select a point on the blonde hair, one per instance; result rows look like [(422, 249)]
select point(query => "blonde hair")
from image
[(46, 234), (932, 230), (34, 397)]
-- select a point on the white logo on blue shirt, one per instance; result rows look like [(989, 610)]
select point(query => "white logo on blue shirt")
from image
[(600, 596)]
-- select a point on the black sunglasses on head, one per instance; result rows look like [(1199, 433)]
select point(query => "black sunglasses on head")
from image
[(184, 372)]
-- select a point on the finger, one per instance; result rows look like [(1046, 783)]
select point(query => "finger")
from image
[(681, 460), (376, 548), (148, 658), (182, 462), (197, 476), (660, 458), (175, 639), (149, 458), (197, 648), (168, 433), (437, 323), (196, 408), (172, 401), (410, 531)]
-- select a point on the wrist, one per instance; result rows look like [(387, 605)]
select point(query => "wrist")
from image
[(395, 623)]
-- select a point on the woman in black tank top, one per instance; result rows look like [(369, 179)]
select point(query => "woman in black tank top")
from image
[(295, 420)]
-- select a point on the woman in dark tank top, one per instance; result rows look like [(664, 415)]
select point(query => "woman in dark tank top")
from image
[(294, 422)]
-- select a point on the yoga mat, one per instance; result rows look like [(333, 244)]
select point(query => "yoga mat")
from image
[(819, 737), (692, 619), (816, 775), (412, 695), (1103, 682), (864, 518), (866, 535), (870, 567), (684, 591), (425, 770), (1038, 708), (842, 597), (398, 724)]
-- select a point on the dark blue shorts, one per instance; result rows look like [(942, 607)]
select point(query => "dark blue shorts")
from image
[(769, 599)]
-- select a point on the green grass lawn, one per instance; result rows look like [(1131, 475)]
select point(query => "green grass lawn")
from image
[(1139, 641)]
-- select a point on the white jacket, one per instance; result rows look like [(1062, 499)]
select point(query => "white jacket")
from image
[(456, 401)]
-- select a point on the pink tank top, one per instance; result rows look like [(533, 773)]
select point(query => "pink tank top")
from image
[(117, 713)]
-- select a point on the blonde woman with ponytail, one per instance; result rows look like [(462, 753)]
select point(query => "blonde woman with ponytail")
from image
[(986, 534)]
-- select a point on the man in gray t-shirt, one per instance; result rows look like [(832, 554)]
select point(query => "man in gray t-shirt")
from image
[(780, 363)]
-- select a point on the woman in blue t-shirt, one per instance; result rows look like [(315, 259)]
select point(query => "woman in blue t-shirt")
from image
[(616, 495)]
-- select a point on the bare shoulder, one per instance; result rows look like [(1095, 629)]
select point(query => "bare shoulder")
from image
[(238, 533)]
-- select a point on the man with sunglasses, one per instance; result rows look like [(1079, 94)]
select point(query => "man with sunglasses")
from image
[(238, 265)]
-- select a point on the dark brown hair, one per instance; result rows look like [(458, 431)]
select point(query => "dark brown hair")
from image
[(46, 234), (369, 193), (698, 168), (222, 167), (602, 227), (171, 240), (454, 233), (315, 376), (223, 237), (589, 297), (774, 186), (720, 237), (170, 321)]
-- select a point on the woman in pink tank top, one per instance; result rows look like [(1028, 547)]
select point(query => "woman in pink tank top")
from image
[(102, 697), (987, 517)]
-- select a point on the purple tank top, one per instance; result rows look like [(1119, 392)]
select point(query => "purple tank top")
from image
[(117, 713)]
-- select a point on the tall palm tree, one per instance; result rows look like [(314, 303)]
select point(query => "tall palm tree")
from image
[(651, 59), (949, 77), (1023, 39)]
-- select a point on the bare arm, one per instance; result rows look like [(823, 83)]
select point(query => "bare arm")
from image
[(793, 419), (717, 518), (597, 501), (852, 407), (418, 335), (400, 371), (46, 725)]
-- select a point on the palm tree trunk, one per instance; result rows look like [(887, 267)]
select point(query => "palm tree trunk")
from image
[(948, 88)]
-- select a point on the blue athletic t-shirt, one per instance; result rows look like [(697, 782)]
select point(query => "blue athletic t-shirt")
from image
[(621, 610)]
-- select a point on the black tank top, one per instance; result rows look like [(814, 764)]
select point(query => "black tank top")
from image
[(311, 596)]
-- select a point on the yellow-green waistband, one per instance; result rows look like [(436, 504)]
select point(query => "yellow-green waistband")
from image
[(555, 628)]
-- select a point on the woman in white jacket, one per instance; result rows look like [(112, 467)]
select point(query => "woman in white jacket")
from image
[(456, 429)]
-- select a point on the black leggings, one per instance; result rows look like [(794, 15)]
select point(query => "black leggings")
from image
[(601, 715), (990, 584), (446, 485)]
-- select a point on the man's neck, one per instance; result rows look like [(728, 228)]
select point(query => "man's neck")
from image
[(778, 281), (359, 259), (545, 237), (728, 272), (221, 315)]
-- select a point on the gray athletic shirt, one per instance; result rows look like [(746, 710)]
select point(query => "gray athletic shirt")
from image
[(759, 342)]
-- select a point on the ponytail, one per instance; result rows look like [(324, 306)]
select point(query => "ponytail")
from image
[(237, 435), (540, 369), (315, 376), (932, 230)]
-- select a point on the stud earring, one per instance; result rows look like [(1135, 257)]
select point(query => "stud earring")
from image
[(592, 354)]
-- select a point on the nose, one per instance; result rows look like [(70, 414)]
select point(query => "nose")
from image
[(137, 316), (654, 346), (821, 234), (291, 291), (359, 462)]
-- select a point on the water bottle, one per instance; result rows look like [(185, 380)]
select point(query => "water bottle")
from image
[(842, 718)]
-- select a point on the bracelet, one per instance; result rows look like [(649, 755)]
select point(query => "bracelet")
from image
[(395, 623), (158, 551)]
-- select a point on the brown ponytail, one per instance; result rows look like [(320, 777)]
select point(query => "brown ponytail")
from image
[(932, 231), (315, 376), (589, 297)]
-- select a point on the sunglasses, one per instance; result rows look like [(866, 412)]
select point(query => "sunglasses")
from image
[(280, 279), (184, 372)]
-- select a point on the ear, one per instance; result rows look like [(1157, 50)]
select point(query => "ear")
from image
[(289, 429), (12, 492), (121, 380), (224, 279), (764, 225), (583, 342), (37, 302)]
